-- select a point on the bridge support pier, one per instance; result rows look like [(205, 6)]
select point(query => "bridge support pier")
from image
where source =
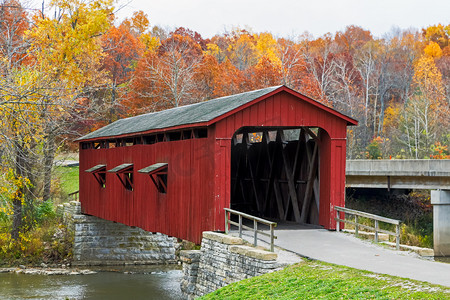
[(440, 199)]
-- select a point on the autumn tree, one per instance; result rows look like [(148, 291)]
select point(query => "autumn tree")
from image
[(20, 126), (425, 116), (396, 74), (242, 49), (218, 47), (122, 47), (267, 71), (439, 34), (293, 68), (165, 78), (67, 49), (367, 62), (353, 38), (319, 55)]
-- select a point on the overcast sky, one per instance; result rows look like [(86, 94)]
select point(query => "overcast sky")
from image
[(287, 18)]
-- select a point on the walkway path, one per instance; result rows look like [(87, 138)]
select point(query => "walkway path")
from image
[(347, 250)]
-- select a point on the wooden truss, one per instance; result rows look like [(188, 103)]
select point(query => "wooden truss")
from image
[(276, 176)]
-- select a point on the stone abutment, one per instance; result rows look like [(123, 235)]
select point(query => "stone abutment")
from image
[(102, 242), (222, 260)]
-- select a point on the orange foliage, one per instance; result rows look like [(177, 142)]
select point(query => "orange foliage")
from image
[(440, 151), (122, 49), (352, 38), (14, 22), (266, 73), (140, 21), (230, 81)]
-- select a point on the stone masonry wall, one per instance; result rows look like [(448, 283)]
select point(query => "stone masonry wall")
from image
[(102, 242), (223, 259)]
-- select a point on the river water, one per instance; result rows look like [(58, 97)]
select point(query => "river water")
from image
[(145, 282)]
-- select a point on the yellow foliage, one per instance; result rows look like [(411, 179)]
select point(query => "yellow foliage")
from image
[(212, 49), (439, 34), (140, 21), (20, 111), (68, 48), (266, 46), (391, 116), (151, 43), (433, 50), (10, 186), (428, 78), (243, 51)]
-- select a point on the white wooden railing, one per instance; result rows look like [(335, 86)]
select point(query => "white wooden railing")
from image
[(376, 218), (255, 230)]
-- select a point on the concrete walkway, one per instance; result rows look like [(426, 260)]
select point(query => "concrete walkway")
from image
[(347, 250)]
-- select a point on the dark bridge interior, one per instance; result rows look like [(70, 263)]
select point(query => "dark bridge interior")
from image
[(275, 173)]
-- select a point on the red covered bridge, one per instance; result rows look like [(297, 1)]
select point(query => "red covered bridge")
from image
[(272, 152)]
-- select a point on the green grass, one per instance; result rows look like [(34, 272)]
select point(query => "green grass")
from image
[(317, 280), (68, 178)]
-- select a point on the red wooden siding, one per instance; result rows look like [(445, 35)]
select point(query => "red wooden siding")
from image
[(198, 183), (190, 176)]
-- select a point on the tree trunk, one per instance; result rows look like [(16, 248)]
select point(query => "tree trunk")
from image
[(17, 215), (17, 200), (49, 156)]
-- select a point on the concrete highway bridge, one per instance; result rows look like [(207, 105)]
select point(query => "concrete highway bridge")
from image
[(398, 174), (410, 174)]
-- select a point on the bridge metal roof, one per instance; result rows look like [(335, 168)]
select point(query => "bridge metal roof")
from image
[(195, 114), (182, 115)]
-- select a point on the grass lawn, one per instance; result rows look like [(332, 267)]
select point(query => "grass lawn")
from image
[(317, 280), (68, 177)]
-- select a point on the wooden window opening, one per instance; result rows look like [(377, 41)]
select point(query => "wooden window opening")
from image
[(158, 174), (187, 134), (149, 139), (128, 142), (173, 136), (99, 172), (200, 133), (125, 174)]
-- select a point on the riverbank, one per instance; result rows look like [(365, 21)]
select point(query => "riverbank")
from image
[(47, 271), (318, 280)]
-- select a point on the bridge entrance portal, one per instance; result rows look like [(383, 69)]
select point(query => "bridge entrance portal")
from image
[(275, 173)]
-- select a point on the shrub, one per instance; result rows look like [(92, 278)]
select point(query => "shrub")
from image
[(50, 242), (414, 210)]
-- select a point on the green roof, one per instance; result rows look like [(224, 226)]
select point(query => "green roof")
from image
[(95, 168), (152, 168), (183, 115), (120, 168)]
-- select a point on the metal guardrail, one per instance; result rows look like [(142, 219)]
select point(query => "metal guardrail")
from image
[(376, 218), (255, 230), (74, 196)]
